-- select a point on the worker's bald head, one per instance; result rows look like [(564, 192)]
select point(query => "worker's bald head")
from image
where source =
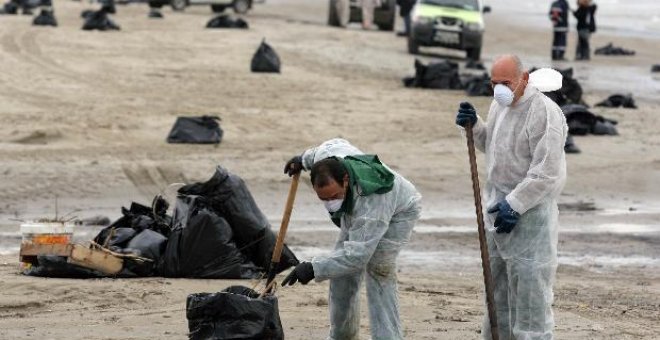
[(508, 70)]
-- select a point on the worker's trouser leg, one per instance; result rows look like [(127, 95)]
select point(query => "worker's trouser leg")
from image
[(345, 307), (368, 7), (582, 52), (558, 45), (381, 283), (343, 11)]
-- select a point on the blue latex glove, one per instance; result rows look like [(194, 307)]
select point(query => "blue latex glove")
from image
[(467, 115), (506, 218)]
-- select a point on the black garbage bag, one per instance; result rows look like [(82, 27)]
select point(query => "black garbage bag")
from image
[(204, 248), (610, 49), (618, 100), (148, 244), (265, 59), (10, 7), (57, 266), (655, 68), (45, 18), (479, 86), (137, 218), (226, 21), (581, 121), (230, 198), (99, 20), (473, 64), (108, 6), (570, 146), (196, 130), (155, 13), (439, 75), (234, 313), (87, 13)]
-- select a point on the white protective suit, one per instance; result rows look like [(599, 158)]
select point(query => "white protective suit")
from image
[(370, 240), (524, 146)]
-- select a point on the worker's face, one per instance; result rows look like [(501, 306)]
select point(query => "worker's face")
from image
[(333, 190), (509, 77)]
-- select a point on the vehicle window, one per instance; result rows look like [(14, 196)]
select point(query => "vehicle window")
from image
[(470, 5)]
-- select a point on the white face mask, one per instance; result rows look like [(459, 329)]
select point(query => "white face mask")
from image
[(503, 94), (333, 205)]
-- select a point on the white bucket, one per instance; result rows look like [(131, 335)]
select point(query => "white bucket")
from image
[(47, 232)]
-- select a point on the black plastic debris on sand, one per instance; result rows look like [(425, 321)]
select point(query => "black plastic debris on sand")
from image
[(581, 121), (154, 13), (570, 146), (226, 21), (100, 20), (478, 85), (655, 68), (237, 312), (265, 59), (45, 18), (217, 231), (10, 7), (196, 130), (610, 49), (435, 75), (619, 100)]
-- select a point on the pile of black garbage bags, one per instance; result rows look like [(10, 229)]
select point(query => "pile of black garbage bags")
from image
[(216, 232)]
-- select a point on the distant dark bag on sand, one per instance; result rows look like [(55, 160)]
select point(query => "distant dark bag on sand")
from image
[(655, 68), (9, 8), (479, 86), (439, 75), (226, 21), (265, 59), (99, 20), (45, 18), (610, 49), (228, 196), (581, 121), (237, 312), (196, 130), (154, 13), (619, 100)]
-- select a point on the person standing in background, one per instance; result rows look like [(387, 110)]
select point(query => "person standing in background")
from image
[(559, 17), (405, 8), (586, 25)]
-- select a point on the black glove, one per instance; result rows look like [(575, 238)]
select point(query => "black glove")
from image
[(466, 115), (293, 166), (506, 219), (303, 273)]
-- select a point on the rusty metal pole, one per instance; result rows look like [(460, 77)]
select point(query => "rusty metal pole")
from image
[(485, 258)]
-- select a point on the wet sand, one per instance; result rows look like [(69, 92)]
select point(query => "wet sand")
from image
[(84, 116)]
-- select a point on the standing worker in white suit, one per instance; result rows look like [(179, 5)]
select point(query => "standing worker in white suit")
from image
[(526, 170)]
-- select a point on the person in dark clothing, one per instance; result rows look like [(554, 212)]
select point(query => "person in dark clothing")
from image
[(586, 25), (559, 17), (405, 7)]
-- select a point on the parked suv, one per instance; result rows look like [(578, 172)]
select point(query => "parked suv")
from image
[(455, 24), (218, 6)]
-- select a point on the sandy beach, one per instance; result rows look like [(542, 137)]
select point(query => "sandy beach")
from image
[(84, 117)]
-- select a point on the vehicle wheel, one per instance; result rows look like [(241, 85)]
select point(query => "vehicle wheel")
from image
[(242, 6), (179, 5), (218, 8), (333, 17), (474, 53), (413, 46)]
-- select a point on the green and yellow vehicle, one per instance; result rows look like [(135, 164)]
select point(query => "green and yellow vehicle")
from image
[(455, 24)]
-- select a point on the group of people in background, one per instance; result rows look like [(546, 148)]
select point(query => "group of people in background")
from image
[(586, 25)]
